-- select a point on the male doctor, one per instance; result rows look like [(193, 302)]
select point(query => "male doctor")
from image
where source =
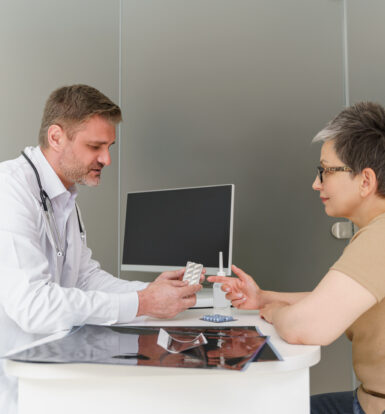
[(48, 280)]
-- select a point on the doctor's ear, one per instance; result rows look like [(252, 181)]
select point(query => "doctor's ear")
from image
[(368, 183), (56, 137)]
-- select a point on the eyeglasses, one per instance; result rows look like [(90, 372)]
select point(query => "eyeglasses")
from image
[(322, 170)]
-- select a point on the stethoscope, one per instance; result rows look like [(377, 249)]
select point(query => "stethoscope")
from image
[(48, 210)]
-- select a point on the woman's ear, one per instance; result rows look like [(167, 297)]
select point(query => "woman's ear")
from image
[(368, 184)]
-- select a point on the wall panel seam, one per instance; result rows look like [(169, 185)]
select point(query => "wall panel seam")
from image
[(119, 131)]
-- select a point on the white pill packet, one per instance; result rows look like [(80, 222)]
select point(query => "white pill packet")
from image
[(193, 273)]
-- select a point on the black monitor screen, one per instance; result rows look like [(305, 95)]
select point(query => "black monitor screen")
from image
[(170, 227)]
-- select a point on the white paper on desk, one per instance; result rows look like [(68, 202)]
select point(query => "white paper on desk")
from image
[(175, 346)]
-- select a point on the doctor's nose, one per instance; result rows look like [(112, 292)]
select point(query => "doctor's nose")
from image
[(104, 157)]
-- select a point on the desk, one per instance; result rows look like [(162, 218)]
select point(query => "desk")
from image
[(265, 387)]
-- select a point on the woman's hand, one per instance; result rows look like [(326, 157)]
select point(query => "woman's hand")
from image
[(243, 292), (267, 312)]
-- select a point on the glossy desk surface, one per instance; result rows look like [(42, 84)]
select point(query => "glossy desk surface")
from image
[(294, 356)]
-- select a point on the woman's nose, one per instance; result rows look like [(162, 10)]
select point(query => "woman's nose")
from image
[(317, 185)]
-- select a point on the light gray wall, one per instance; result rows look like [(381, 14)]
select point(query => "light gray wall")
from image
[(366, 31), (213, 91), (217, 91), (45, 44)]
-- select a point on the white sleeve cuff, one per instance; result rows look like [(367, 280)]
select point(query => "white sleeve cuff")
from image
[(128, 307)]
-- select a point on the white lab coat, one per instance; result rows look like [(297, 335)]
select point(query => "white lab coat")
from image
[(39, 291)]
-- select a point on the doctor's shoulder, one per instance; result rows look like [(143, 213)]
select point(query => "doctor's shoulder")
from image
[(17, 188)]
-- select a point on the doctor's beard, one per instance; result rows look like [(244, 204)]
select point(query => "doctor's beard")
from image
[(78, 173)]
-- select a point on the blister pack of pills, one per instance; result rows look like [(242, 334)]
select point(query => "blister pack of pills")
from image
[(193, 273), (217, 318)]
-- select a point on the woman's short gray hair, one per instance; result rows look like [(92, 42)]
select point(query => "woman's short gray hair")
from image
[(358, 134)]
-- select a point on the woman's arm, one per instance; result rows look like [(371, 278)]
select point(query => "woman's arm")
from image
[(244, 293), (324, 314)]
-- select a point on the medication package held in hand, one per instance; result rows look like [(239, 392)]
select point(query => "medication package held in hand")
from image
[(193, 273)]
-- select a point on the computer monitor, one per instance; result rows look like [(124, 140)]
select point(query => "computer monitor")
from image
[(166, 228)]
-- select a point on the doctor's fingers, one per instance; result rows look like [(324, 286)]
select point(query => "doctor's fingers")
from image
[(177, 283), (202, 278), (172, 274), (189, 301), (189, 290)]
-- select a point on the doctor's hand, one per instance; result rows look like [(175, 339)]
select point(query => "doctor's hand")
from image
[(243, 292), (177, 275), (165, 298)]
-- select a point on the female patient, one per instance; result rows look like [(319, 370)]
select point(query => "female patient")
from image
[(350, 297)]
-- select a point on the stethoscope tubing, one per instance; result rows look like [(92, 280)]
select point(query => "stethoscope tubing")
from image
[(48, 211)]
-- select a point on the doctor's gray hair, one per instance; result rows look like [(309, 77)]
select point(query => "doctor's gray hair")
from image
[(358, 134), (70, 106)]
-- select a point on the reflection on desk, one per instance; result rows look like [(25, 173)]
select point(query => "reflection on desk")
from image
[(265, 387), (225, 347)]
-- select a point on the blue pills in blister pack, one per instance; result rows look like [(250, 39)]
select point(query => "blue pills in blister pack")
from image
[(217, 318)]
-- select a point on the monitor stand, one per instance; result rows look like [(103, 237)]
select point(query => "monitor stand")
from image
[(205, 298)]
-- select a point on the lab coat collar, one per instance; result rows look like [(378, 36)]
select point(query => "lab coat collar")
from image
[(49, 179)]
